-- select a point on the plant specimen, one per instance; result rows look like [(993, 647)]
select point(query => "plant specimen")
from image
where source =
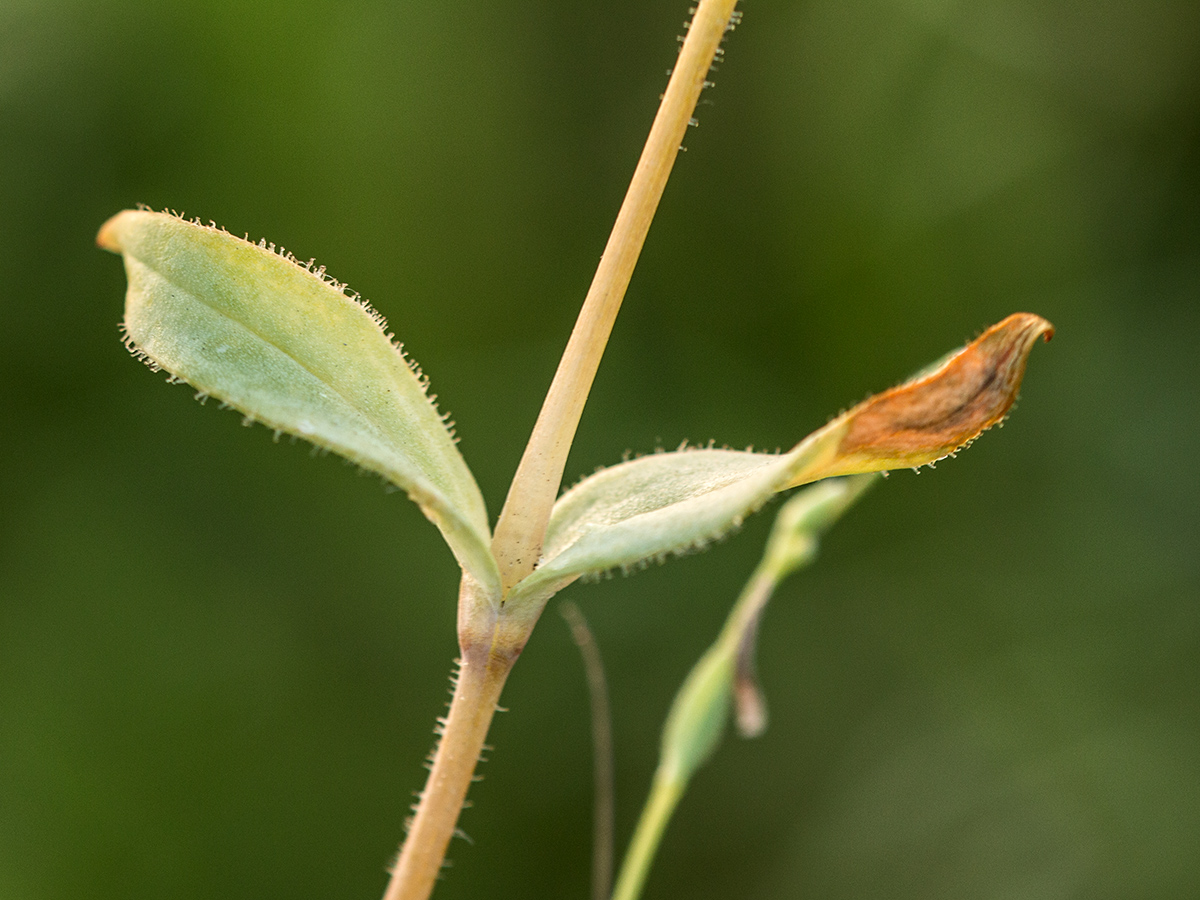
[(287, 346)]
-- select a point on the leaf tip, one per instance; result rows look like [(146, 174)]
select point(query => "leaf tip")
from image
[(109, 236), (942, 411)]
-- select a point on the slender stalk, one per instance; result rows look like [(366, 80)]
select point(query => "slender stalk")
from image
[(664, 797), (603, 812), (481, 678), (726, 671), (681, 755), (522, 524)]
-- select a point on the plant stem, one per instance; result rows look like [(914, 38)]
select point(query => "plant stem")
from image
[(488, 653), (522, 525), (664, 796), (685, 750), (481, 678), (603, 812)]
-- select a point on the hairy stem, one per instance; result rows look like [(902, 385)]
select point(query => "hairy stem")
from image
[(489, 651), (481, 678), (522, 524)]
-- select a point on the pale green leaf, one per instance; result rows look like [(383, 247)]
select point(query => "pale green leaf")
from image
[(696, 722), (650, 507), (286, 347)]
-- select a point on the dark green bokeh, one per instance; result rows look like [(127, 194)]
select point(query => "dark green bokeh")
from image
[(220, 660)]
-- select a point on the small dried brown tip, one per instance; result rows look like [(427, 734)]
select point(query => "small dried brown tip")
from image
[(750, 707), (932, 416)]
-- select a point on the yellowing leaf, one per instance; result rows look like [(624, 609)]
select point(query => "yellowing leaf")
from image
[(280, 343), (673, 502)]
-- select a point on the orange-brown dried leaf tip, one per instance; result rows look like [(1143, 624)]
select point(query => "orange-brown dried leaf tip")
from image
[(943, 410)]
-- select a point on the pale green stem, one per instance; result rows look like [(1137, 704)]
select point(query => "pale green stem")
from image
[(521, 528), (750, 602), (701, 707), (670, 779), (660, 805)]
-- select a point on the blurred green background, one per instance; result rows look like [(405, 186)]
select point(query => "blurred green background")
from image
[(221, 659)]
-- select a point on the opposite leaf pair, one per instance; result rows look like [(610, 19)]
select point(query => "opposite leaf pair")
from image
[(278, 341)]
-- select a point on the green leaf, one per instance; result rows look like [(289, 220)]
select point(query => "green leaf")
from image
[(647, 508), (288, 348), (696, 722), (669, 503)]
